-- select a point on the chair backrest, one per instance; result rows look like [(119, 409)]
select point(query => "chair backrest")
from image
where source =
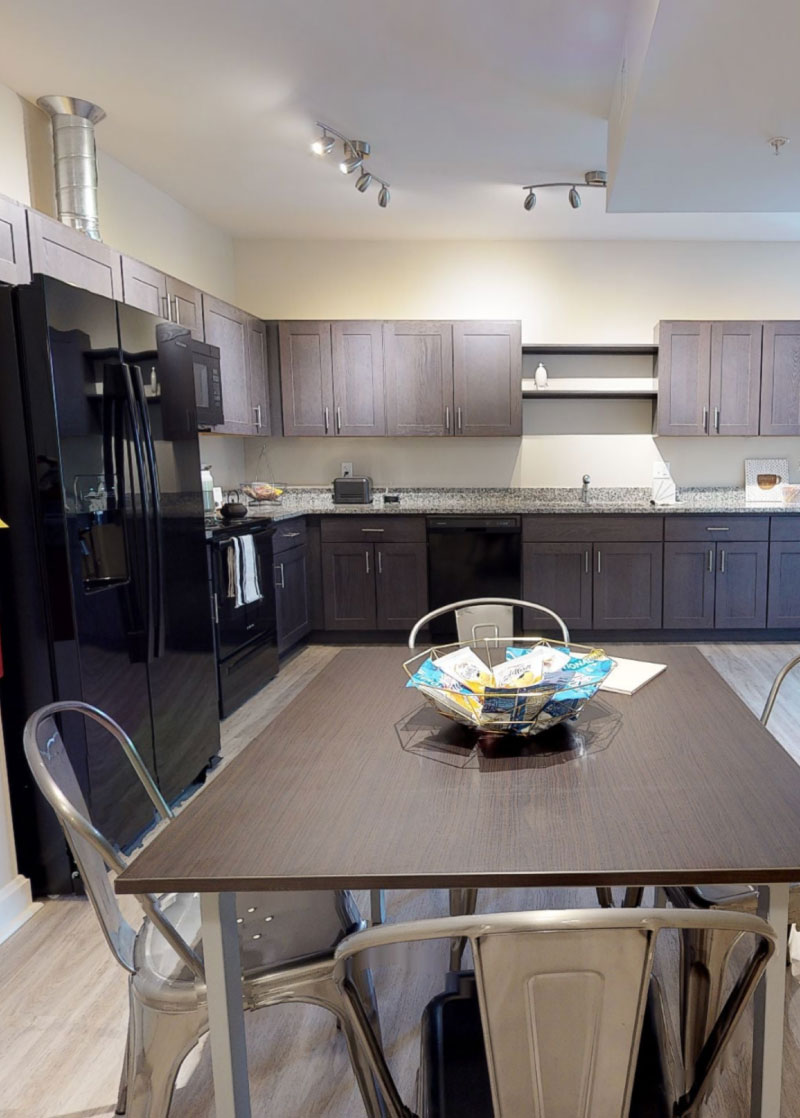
[(94, 854), (478, 618), (562, 998)]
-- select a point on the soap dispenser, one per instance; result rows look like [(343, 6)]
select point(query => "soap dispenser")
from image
[(540, 376)]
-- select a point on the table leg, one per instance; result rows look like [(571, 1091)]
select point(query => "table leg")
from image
[(225, 1012), (769, 1003), (377, 906)]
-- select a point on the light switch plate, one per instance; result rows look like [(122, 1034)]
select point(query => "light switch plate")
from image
[(347, 469)]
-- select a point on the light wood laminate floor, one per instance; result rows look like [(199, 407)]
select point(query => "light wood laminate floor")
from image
[(63, 1000)]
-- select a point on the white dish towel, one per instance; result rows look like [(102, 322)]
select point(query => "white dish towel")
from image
[(243, 582)]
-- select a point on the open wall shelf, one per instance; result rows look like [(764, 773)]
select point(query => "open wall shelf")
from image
[(591, 372)]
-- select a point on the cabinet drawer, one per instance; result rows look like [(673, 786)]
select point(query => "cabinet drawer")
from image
[(593, 527), (373, 529), (716, 528), (784, 528), (289, 533)]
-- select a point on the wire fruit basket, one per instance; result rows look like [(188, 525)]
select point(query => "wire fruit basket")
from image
[(509, 685)]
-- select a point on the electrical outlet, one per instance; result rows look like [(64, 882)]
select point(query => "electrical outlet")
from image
[(347, 469)]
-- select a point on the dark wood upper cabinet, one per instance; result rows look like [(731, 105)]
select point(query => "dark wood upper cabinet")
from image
[(689, 581), (780, 379), (557, 575), (401, 581), (15, 257), (186, 307), (419, 378), (348, 585), (627, 585), (684, 375), (741, 589), (144, 287), (358, 381), (306, 378), (257, 377), (735, 388), (487, 378), (227, 328), (66, 254)]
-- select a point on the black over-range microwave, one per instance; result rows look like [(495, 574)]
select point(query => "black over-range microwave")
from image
[(207, 383)]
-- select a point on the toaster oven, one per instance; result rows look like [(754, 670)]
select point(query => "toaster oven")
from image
[(352, 490)]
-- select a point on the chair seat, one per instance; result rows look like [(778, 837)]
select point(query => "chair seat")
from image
[(743, 898), (276, 930), (454, 1077)]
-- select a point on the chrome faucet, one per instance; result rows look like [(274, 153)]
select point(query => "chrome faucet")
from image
[(586, 482)]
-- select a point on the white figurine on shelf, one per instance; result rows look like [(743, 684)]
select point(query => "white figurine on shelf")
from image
[(540, 376)]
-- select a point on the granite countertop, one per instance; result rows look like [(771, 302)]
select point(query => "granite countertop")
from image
[(486, 502)]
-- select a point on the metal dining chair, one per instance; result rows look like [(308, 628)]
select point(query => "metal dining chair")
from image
[(286, 939), (562, 1017)]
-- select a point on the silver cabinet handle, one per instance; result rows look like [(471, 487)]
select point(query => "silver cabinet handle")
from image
[(326, 421), (458, 420), (257, 410), (599, 562), (380, 562), (717, 529), (282, 584), (373, 529), (586, 561), (215, 604), (722, 560), (710, 559), (716, 420), (165, 305), (177, 311), (447, 417), (338, 418), (366, 556), (288, 535), (705, 420)]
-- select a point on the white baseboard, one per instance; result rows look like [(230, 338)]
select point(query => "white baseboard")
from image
[(16, 906)]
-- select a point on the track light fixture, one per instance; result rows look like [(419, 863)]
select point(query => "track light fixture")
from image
[(590, 178), (354, 152)]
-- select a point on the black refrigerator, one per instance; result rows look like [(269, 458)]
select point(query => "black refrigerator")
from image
[(103, 574)]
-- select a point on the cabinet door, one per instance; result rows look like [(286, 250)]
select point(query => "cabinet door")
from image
[(144, 287), (348, 585), (689, 581), (780, 379), (419, 378), (227, 327), (741, 598), (62, 252), (487, 378), (684, 374), (401, 574), (291, 596), (735, 394), (627, 585), (257, 375), (358, 395), (15, 257), (783, 608), (306, 378), (186, 307), (559, 576)]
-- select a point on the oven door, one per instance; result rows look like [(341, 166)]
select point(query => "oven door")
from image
[(207, 388)]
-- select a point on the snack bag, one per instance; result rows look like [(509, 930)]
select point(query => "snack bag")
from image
[(468, 668), (445, 689)]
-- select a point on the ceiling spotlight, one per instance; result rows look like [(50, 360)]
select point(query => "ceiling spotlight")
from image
[(323, 145), (355, 152), (590, 178), (574, 198), (383, 196), (363, 181), (347, 166), (530, 200)]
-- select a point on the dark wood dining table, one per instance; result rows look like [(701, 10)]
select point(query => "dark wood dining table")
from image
[(359, 784)]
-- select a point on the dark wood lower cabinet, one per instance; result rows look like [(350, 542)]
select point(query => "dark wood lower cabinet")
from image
[(559, 576), (783, 605), (401, 583), (689, 580), (348, 585), (627, 585), (741, 589), (292, 602)]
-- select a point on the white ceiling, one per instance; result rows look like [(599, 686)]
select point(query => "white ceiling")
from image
[(463, 102)]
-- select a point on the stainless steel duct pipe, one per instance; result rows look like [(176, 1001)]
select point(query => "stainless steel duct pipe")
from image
[(75, 160)]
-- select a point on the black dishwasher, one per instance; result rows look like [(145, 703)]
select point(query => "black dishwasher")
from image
[(471, 557)]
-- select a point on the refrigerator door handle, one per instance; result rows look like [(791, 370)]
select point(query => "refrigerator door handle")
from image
[(144, 496), (159, 635)]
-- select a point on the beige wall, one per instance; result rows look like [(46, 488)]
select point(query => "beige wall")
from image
[(135, 216), (563, 291)]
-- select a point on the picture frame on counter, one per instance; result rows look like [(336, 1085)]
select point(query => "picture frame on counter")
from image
[(765, 480)]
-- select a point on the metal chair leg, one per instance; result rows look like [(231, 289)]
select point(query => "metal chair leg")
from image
[(463, 902), (161, 1041), (633, 896), (122, 1094), (704, 957)]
